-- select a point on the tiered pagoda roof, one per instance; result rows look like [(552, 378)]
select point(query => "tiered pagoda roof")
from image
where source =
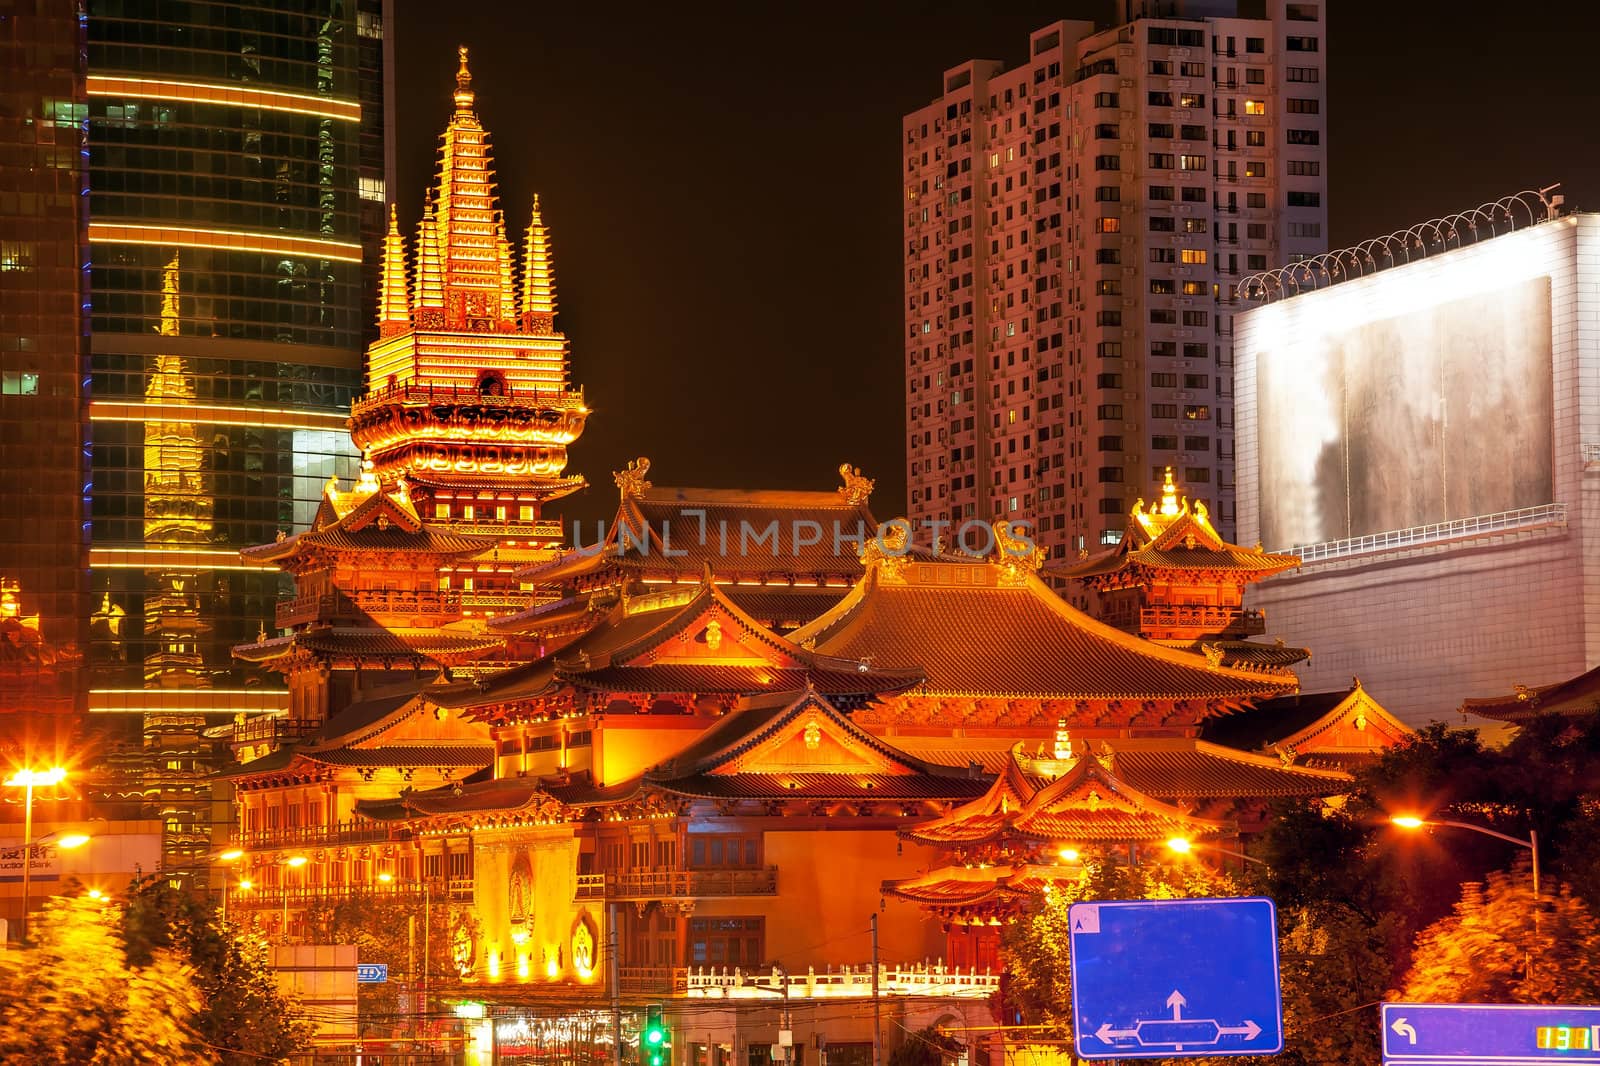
[(692, 641), (785, 556), (1341, 730), (1000, 648), (1575, 697), (1145, 584)]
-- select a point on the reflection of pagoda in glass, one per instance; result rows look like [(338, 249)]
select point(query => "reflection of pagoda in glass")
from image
[(177, 514)]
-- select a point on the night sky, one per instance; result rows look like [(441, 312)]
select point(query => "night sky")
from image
[(723, 190)]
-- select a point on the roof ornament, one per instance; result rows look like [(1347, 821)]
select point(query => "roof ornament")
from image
[(857, 487), (1169, 497), (1213, 654), (463, 95), (1063, 748), (1019, 557), (261, 634), (886, 552), (631, 481)]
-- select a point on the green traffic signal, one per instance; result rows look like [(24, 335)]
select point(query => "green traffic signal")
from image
[(654, 1035)]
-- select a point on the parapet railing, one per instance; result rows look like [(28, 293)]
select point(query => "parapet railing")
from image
[(904, 979), (1549, 514)]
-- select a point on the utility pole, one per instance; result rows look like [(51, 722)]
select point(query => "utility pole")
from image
[(877, 1023), (614, 978)]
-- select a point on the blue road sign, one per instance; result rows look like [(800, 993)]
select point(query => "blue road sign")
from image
[(1451, 1034), (1175, 977), (372, 973)]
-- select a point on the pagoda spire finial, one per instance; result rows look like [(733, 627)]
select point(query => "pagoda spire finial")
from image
[(538, 277), (394, 311), (464, 95), (1169, 496), (428, 299)]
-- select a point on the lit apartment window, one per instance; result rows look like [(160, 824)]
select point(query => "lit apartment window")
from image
[(1191, 162), (1192, 255), (372, 189), (1255, 107)]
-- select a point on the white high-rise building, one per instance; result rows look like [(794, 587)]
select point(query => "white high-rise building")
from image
[(1075, 226)]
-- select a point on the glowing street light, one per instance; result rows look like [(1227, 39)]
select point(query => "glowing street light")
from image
[(28, 779), (73, 840), (1068, 855), (1411, 821), (231, 855), (1184, 846)]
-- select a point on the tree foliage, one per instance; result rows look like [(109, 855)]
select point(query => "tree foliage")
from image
[(245, 1016), (926, 1047), (1497, 946), (74, 999), (396, 930)]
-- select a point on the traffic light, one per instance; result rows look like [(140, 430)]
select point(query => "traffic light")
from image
[(654, 1039)]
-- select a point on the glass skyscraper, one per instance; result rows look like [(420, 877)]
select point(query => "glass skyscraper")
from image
[(237, 172)]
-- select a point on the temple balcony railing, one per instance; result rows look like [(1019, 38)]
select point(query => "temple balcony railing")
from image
[(774, 984), (499, 600), (412, 393), (1211, 619), (266, 897), (677, 884), (1524, 518), (351, 832), (270, 729)]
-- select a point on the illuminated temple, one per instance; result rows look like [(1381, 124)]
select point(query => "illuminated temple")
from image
[(734, 730)]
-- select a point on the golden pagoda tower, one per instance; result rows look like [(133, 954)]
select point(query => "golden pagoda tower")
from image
[(468, 399)]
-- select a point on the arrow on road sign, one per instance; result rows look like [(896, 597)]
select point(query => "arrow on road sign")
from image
[(1249, 1030), (1401, 1028), (1107, 1034), (1177, 1003)]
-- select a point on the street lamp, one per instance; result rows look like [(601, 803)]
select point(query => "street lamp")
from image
[(1183, 846), (1410, 821), (27, 779)]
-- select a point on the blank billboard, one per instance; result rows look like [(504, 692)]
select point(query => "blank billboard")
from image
[(1439, 413)]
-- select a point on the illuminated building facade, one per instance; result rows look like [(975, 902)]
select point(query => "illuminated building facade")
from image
[(1074, 228), (1438, 474), (44, 351), (237, 173)]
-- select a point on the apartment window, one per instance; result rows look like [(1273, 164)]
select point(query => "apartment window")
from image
[(1196, 475), (1164, 349), (1111, 507), (1304, 199), (1255, 138), (1161, 129), (1192, 256), (1161, 67), (1255, 44), (1197, 318), (1309, 75), (1304, 137), (1108, 287), (1102, 256), (1192, 70), (1300, 105), (1255, 199), (1110, 444), (1105, 131), (1105, 99), (1300, 12), (1303, 229), (1257, 231), (1300, 44), (1193, 288), (1255, 262), (1304, 168), (1108, 224), (1194, 225), (1164, 381), (727, 942), (1109, 349), (1255, 107), (1108, 381), (1107, 194), (1255, 168), (1108, 318), (1110, 475), (1163, 410), (1161, 192), (1197, 381), (1107, 162), (1160, 161), (1197, 412), (1161, 224), (1192, 100), (1159, 99), (1109, 412), (1192, 133), (1163, 316), (1194, 351), (1163, 443), (1255, 76), (1163, 255), (1194, 194), (1191, 162), (1197, 444), (1162, 287)]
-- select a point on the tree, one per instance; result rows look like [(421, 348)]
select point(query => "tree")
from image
[(1495, 948), (245, 1016), (74, 999), (926, 1047), (1333, 961)]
